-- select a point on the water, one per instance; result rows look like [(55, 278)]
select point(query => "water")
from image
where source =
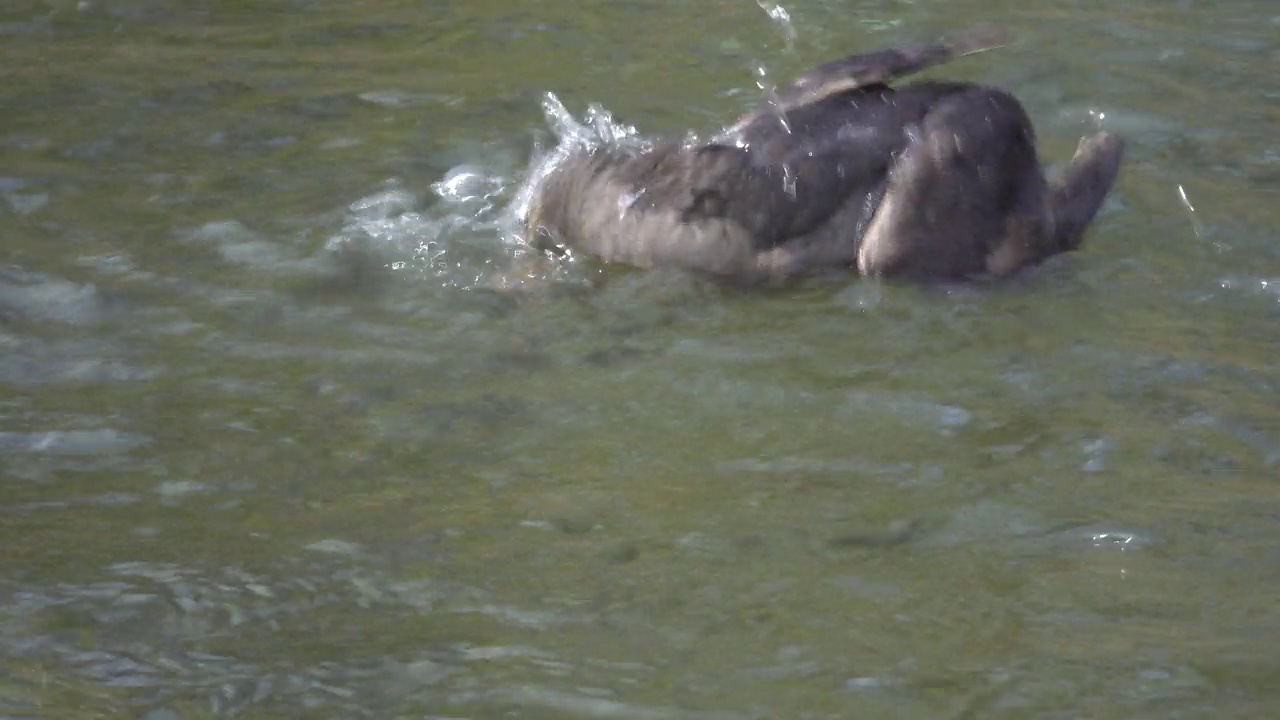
[(292, 426)]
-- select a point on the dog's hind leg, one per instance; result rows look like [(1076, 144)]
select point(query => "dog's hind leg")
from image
[(966, 197)]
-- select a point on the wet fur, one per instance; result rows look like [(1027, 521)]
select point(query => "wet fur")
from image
[(930, 179)]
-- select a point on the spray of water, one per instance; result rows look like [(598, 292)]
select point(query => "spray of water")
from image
[(781, 20), (596, 129)]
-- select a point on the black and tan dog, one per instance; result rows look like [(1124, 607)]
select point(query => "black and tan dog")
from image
[(930, 179)]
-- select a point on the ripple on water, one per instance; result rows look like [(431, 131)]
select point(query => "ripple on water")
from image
[(72, 442), (33, 361), (1103, 537), (155, 625), (900, 473), (874, 406), (239, 245), (39, 298), (22, 203), (1022, 531), (1264, 287)]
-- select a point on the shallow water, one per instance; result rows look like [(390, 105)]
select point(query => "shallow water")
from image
[(290, 427)]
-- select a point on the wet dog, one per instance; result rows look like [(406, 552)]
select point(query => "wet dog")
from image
[(842, 170)]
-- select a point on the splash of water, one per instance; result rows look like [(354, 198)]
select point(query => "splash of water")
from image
[(450, 241), (472, 235), (770, 92), (468, 233), (598, 128), (781, 19)]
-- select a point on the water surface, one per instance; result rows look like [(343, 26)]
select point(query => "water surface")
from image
[(289, 426)]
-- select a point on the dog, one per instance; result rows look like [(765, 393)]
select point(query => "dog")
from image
[(930, 179)]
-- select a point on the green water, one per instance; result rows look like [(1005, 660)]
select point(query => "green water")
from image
[(279, 438)]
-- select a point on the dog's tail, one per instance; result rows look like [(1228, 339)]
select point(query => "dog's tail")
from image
[(1076, 197)]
